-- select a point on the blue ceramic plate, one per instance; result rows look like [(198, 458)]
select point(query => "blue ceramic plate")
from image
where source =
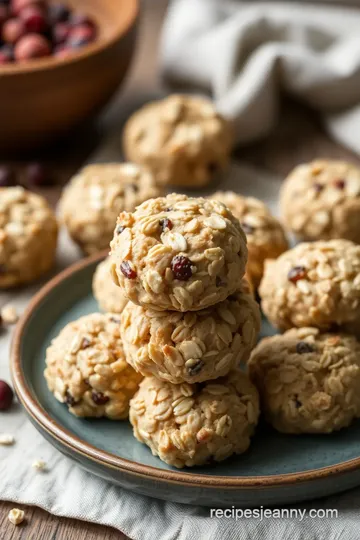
[(277, 468)]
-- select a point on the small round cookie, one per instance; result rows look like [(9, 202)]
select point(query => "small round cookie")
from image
[(28, 236), (308, 382), (191, 347), (188, 425), (314, 284), (109, 297), (321, 200), (178, 253), (93, 199), (182, 139), (87, 370), (265, 236)]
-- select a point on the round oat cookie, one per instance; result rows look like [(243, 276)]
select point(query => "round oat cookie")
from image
[(182, 139), (314, 284), (265, 236), (189, 425), (308, 382), (87, 370), (93, 199), (109, 297), (178, 253), (321, 200), (28, 236), (191, 347)]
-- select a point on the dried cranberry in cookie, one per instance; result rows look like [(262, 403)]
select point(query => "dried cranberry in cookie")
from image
[(196, 262), (321, 200), (308, 381)]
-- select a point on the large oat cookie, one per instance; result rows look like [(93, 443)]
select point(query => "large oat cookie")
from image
[(182, 139), (178, 253), (265, 236), (188, 425), (191, 347), (109, 297), (308, 382), (87, 370), (321, 200), (28, 236), (314, 284), (93, 199)]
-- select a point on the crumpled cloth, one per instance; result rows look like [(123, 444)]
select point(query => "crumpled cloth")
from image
[(247, 54)]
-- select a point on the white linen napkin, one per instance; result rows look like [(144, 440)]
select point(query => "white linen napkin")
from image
[(248, 53)]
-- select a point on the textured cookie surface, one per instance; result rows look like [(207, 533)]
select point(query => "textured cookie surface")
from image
[(187, 425), (28, 236), (314, 284), (86, 368), (308, 381), (191, 347), (94, 198), (178, 253), (321, 200), (182, 139), (265, 236), (110, 297)]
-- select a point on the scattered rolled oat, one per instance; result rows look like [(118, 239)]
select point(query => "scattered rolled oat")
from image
[(16, 516), (321, 200), (39, 465), (9, 314), (110, 297), (314, 284), (308, 381), (189, 425), (6, 439), (181, 138), (197, 263), (265, 235)]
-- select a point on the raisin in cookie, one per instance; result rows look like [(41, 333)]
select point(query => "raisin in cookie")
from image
[(321, 200), (110, 297), (182, 139), (314, 284), (191, 347), (87, 370), (178, 253), (28, 236), (308, 382), (188, 425), (93, 199), (265, 236)]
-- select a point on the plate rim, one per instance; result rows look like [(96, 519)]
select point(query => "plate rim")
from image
[(108, 460)]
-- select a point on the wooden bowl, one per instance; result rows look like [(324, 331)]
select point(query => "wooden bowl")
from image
[(41, 100)]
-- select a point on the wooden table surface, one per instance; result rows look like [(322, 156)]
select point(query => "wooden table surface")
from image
[(298, 137)]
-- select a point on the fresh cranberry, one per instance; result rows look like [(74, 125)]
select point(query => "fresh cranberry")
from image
[(58, 13), (33, 19), (7, 177), (166, 224), (61, 32), (37, 175), (18, 5), (13, 30), (303, 347), (80, 36), (6, 54), (181, 267), (31, 46), (6, 396), (80, 19), (99, 398), (126, 269), (297, 273), (339, 183), (3, 14)]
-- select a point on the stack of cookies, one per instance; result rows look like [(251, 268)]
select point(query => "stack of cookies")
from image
[(190, 321)]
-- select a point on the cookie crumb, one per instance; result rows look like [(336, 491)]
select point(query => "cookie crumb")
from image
[(6, 439), (9, 314), (39, 465), (16, 516)]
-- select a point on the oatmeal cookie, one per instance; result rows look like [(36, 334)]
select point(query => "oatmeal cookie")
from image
[(28, 236), (191, 347), (314, 284), (188, 425), (308, 382), (86, 368), (265, 236), (182, 139), (93, 199), (110, 297), (178, 253), (321, 200)]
